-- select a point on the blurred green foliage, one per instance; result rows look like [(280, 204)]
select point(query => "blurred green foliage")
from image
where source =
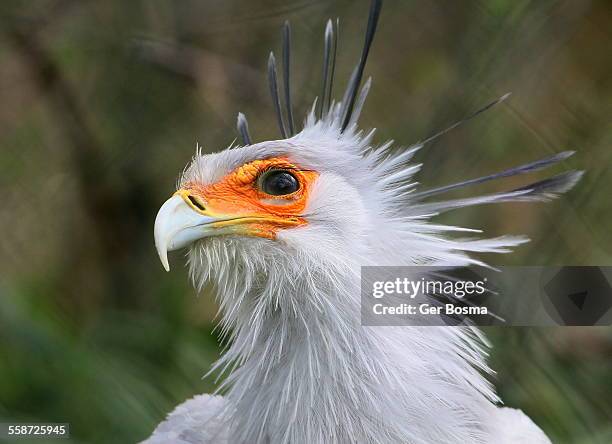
[(102, 105)]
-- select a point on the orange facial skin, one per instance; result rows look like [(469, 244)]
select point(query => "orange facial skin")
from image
[(242, 208)]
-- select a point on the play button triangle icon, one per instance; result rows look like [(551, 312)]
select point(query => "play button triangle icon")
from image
[(578, 298)]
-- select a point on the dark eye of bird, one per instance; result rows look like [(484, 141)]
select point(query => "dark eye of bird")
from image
[(279, 183)]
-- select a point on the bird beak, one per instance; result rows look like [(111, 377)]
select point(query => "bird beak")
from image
[(178, 225)]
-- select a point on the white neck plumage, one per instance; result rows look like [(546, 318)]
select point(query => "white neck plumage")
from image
[(303, 369)]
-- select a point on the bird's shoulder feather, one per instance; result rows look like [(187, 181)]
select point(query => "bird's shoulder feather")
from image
[(512, 426), (199, 420)]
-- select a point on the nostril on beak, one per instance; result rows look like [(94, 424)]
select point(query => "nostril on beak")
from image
[(196, 203)]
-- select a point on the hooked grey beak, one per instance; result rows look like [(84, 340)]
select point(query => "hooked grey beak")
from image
[(177, 225)]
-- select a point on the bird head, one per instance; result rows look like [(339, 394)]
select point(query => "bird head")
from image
[(290, 192)]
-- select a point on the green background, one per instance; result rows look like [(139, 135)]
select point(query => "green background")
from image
[(101, 106)]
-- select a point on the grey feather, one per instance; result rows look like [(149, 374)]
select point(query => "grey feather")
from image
[(465, 119), (327, 58), (273, 83), (550, 188), (243, 129), (536, 192), (347, 93), (355, 81), (522, 169), (287, 76), (360, 102)]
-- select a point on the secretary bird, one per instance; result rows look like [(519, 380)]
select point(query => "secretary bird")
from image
[(282, 228)]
